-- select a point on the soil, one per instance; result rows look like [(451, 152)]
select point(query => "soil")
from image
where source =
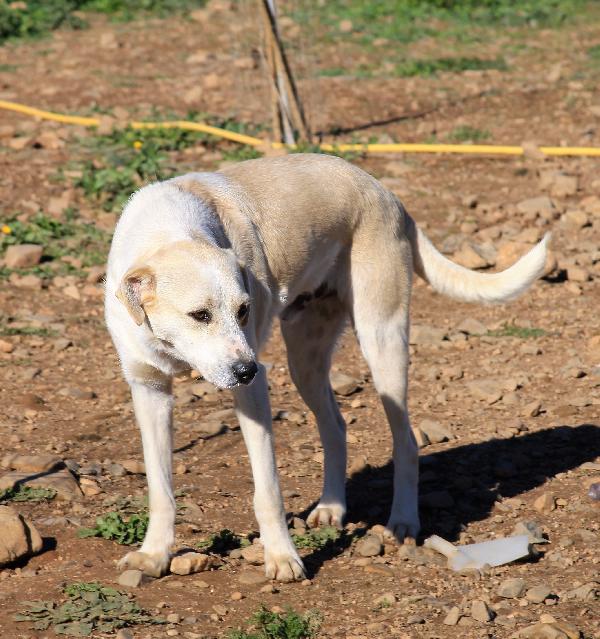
[(540, 437)]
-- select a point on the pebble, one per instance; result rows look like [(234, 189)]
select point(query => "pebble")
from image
[(435, 432), (23, 255), (252, 577), (538, 594), (123, 633), (481, 612), (189, 563), (173, 618), (422, 334), (545, 503), (488, 390), (131, 578), (387, 599), (414, 619), (594, 491), (369, 546), (453, 617), (254, 554), (236, 596), (19, 536), (512, 588), (343, 384)]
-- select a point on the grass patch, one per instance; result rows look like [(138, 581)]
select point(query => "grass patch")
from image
[(39, 17), (124, 531), (88, 608), (468, 134), (433, 66), (275, 625), (6, 330), (27, 493), (241, 153), (222, 542), (510, 330), (318, 538)]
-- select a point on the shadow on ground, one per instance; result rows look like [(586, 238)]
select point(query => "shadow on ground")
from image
[(460, 485)]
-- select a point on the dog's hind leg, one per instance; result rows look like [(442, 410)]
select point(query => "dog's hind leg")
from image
[(381, 284), (310, 341), (254, 413)]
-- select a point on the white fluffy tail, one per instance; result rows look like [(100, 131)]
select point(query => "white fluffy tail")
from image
[(460, 283)]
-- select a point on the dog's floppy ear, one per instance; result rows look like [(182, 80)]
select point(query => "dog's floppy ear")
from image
[(137, 287)]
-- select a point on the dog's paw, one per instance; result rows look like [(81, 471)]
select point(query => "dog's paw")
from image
[(288, 567), (402, 532), (327, 516), (153, 565)]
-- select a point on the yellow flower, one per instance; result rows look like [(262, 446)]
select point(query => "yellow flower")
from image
[(138, 144), (6, 229)]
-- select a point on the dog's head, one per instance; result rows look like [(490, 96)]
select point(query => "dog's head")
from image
[(194, 297)]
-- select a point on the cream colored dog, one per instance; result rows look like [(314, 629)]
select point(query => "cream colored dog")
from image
[(199, 267)]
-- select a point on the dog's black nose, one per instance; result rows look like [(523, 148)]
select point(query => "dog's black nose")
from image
[(244, 372)]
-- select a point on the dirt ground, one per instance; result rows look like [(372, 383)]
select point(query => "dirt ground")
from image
[(531, 430)]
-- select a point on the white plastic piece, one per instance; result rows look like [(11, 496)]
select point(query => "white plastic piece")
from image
[(496, 552)]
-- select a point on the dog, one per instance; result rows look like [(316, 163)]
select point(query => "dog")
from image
[(200, 266)]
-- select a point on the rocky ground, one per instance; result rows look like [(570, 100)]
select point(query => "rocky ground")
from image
[(505, 400)]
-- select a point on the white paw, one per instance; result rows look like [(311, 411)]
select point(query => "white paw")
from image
[(154, 565), (284, 567), (327, 516), (402, 531)]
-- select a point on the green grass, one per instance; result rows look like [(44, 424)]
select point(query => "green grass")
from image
[(468, 134), (8, 68), (27, 493), (318, 538), (39, 17), (6, 330), (124, 531), (241, 153), (222, 542), (285, 625), (86, 608), (431, 67), (510, 330)]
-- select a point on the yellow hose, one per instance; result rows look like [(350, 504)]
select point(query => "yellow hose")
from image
[(467, 149)]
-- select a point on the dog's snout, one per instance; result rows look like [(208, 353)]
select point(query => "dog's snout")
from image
[(244, 372)]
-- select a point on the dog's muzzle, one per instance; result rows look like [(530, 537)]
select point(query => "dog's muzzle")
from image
[(244, 372)]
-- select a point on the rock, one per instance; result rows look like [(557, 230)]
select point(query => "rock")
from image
[(252, 577), (488, 390), (435, 432), (541, 205), (387, 599), (31, 463), (564, 185), (532, 409), (62, 481), (481, 612), (538, 594), (133, 466), (123, 633), (545, 503), (131, 578), (532, 529), (469, 257), (414, 619), (588, 592), (512, 588), (422, 334), (557, 630), (369, 546), (576, 219), (19, 536), (472, 326), (578, 274), (72, 291), (453, 617), (30, 282), (23, 255), (189, 563), (254, 554), (421, 438), (343, 384)]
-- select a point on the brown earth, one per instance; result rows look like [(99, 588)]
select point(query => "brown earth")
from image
[(535, 432)]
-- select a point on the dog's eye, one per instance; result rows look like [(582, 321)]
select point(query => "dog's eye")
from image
[(243, 311), (202, 315)]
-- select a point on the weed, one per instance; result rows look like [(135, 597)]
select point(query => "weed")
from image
[(468, 134), (433, 66), (510, 330), (222, 542), (27, 493), (318, 538), (241, 153), (8, 68), (89, 607), (124, 531), (7, 330), (280, 625)]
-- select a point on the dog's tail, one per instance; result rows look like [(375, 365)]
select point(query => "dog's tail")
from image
[(463, 284)]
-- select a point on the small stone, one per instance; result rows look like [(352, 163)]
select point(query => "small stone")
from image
[(512, 588), (173, 618), (538, 594), (123, 633), (536, 205), (387, 599), (414, 620), (189, 563), (488, 390), (131, 578), (133, 466), (469, 257), (6, 347), (19, 536), (481, 612), (564, 185), (343, 384), (435, 432), (578, 274), (254, 554), (72, 291), (576, 219), (533, 409), (252, 577), (236, 596), (545, 503), (587, 592), (369, 546), (31, 463), (532, 529), (23, 255), (472, 326), (453, 617), (421, 334)]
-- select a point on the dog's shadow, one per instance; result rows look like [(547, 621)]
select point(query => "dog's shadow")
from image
[(460, 485)]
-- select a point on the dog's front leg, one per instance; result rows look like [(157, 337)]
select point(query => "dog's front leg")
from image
[(153, 410), (254, 413)]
